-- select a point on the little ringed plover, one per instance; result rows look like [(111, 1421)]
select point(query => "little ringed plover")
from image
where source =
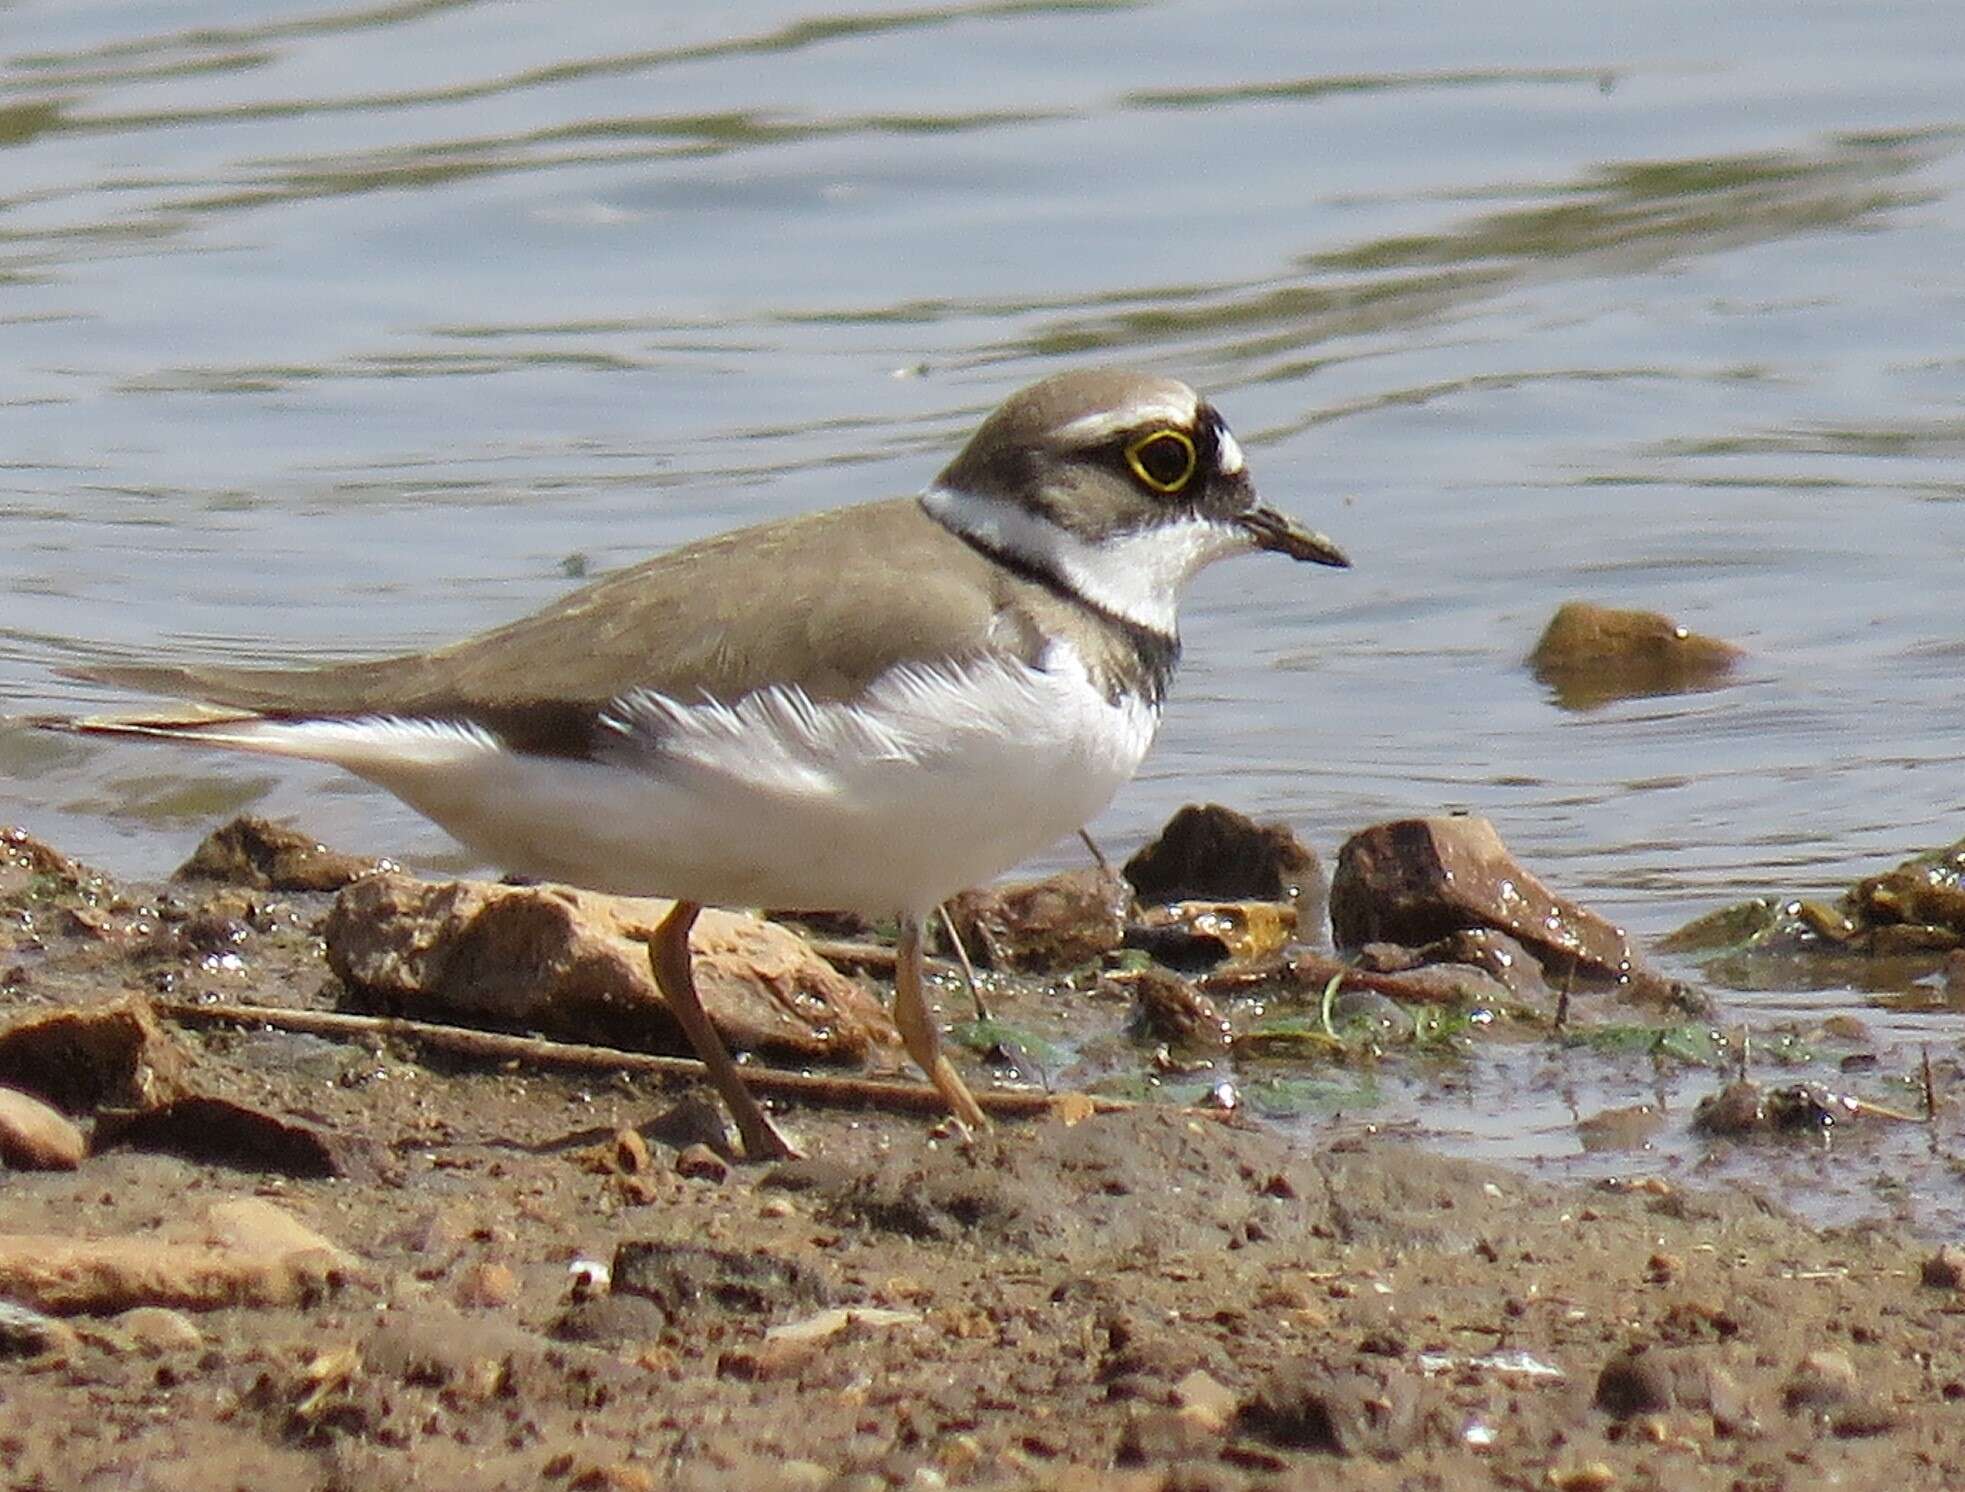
[(867, 709)]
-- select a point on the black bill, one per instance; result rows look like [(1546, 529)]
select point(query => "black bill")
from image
[(1279, 531)]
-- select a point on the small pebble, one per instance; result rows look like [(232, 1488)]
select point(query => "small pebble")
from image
[(155, 1330), (1821, 1380), (1662, 1268), (703, 1164), (28, 1333), (1585, 1476), (631, 1156), (1945, 1270), (1203, 1396), (618, 1476), (1633, 1383), (488, 1283)]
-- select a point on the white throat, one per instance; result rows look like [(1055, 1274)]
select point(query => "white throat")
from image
[(1136, 576)]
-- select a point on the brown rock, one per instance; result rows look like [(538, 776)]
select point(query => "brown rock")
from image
[(34, 1137), (702, 1163), (26, 861), (1206, 1399), (1497, 955), (156, 1330), (1210, 853), (1413, 881), (687, 1279), (1042, 927), (1590, 655), (574, 964), (613, 1476), (1304, 1406), (254, 1226), (1153, 1436), (1821, 1381), (1634, 1383), (1167, 1008), (28, 1333), (222, 1132), (271, 857), (252, 1255), (1630, 1127), (1945, 1270), (113, 1053), (488, 1283), (628, 1154)]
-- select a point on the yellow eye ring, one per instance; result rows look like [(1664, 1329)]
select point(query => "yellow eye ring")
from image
[(1163, 459)]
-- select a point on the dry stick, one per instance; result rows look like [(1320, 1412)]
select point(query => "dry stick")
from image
[(498, 1046), (962, 957), (1098, 856)]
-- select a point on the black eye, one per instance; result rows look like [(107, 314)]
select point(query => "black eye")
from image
[(1163, 459)]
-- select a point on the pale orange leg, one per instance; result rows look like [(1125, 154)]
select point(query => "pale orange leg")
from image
[(668, 956), (920, 1034)]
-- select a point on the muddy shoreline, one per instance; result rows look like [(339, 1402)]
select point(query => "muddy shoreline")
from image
[(541, 1278)]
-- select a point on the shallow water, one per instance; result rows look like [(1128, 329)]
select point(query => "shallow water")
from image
[(335, 331)]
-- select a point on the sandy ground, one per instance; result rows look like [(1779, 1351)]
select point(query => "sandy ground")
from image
[(1144, 1300)]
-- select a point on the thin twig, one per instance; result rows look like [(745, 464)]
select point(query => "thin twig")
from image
[(864, 955), (962, 957), (498, 1046), (1098, 855)]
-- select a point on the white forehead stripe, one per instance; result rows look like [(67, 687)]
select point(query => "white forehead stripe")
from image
[(1171, 408), (1228, 454)]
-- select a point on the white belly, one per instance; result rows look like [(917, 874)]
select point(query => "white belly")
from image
[(936, 781)]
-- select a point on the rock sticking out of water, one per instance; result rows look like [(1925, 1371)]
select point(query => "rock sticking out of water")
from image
[(1415, 881), (258, 853), (1912, 915), (1210, 853), (1590, 655)]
